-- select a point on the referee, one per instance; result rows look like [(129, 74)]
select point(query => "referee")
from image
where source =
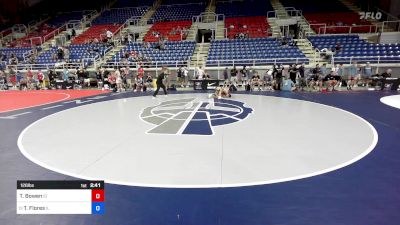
[(160, 83)]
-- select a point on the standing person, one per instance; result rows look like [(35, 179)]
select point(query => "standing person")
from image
[(278, 77), (200, 73), (226, 75), (185, 76), (367, 73), (40, 77), (293, 73), (66, 54), (118, 80), (243, 77), (159, 82), (140, 72), (66, 74), (340, 73), (285, 72), (324, 71), (30, 79), (234, 73), (301, 76), (352, 79), (81, 76), (179, 75)]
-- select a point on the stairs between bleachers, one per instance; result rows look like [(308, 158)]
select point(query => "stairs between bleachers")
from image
[(210, 10), (84, 25), (145, 18), (220, 32), (192, 32), (304, 26), (211, 7), (111, 53), (306, 47), (279, 9), (143, 33), (199, 56), (276, 31)]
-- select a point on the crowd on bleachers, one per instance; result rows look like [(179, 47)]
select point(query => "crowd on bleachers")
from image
[(247, 44)]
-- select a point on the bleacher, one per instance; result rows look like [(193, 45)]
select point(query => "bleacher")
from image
[(78, 53), (178, 12), (37, 37), (34, 38), (119, 15), (339, 22), (243, 8), (333, 15), (356, 49), (253, 27), (312, 6), (174, 52), (257, 51), (18, 52), (95, 32), (170, 30), (132, 3), (61, 18)]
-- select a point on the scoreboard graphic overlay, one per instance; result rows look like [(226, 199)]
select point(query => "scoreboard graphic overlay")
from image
[(60, 197)]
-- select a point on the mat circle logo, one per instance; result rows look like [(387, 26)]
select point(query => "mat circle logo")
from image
[(192, 116)]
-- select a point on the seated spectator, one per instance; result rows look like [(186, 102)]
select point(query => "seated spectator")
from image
[(338, 47), (256, 81), (288, 85), (3, 57), (330, 81), (13, 59), (149, 81)]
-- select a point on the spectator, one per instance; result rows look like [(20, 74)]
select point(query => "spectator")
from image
[(81, 76), (323, 69), (30, 79), (118, 80), (234, 73), (179, 75), (226, 76), (353, 77), (200, 73), (243, 73), (109, 35), (278, 77), (60, 53), (367, 73), (317, 70), (288, 85), (293, 73), (149, 81), (301, 77), (338, 47), (65, 74), (66, 54), (40, 78), (13, 59), (185, 76)]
